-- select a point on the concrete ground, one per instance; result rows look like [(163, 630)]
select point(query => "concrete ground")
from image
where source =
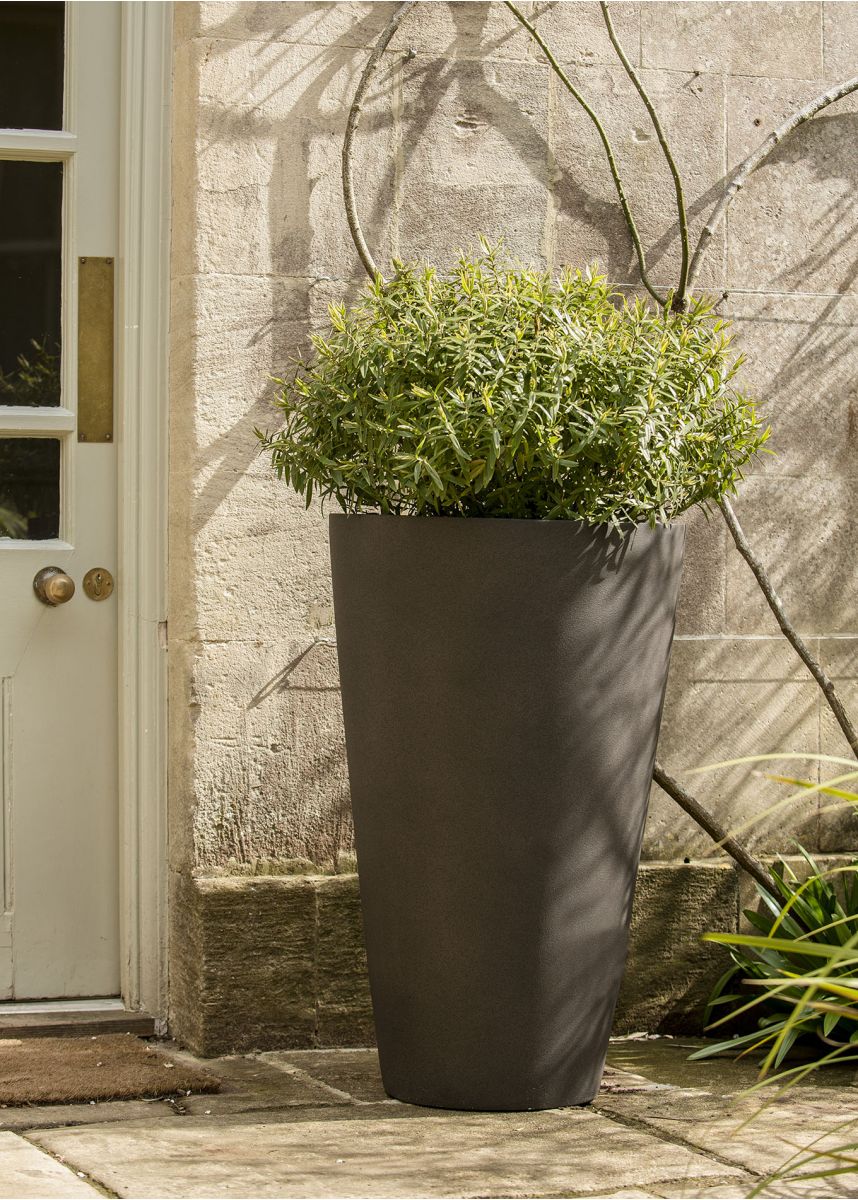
[(318, 1124)]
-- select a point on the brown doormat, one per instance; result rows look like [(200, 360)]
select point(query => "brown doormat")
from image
[(115, 1066)]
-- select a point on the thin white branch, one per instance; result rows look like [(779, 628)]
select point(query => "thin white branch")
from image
[(755, 160), (787, 628), (351, 128)]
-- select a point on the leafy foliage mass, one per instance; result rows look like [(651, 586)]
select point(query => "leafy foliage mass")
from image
[(34, 381), (36, 378), (499, 392), (798, 971)]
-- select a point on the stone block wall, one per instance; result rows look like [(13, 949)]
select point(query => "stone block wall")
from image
[(468, 131), (278, 961)]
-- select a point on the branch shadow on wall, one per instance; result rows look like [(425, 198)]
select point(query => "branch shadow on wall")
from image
[(304, 129), (297, 130)]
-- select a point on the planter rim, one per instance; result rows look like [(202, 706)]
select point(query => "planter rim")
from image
[(561, 522)]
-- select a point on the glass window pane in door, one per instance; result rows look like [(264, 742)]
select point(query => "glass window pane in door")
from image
[(29, 487), (30, 282), (31, 65)]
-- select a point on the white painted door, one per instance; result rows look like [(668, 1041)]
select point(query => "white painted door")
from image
[(59, 113)]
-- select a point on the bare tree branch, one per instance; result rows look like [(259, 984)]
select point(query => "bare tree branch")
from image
[(756, 159), (739, 853), (609, 152), (678, 302), (351, 127), (787, 628)]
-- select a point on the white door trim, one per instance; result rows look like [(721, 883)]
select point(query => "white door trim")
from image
[(142, 327)]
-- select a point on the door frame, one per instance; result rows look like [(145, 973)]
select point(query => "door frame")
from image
[(143, 289)]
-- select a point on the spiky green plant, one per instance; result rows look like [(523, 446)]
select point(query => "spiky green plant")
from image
[(498, 391), (799, 974), (777, 970)]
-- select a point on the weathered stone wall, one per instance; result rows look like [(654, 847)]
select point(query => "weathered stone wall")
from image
[(274, 961), (279, 961), (469, 132)]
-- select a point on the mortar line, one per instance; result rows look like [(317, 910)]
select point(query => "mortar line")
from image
[(435, 56), (726, 175), (695, 1181), (79, 1123), (643, 1126), (819, 824), (822, 38), (305, 1077), (679, 637), (761, 637), (397, 112), (69, 1166), (552, 199), (316, 926), (620, 285)]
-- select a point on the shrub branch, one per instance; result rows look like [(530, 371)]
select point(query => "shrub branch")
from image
[(678, 303), (351, 128), (756, 159), (787, 628), (609, 152), (739, 853)]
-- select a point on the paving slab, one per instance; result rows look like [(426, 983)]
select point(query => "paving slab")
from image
[(249, 1083), (666, 1060), (354, 1076), (729, 1189), (51, 1116), (745, 1134), (317, 1123), (568, 1152), (28, 1173), (347, 1074)]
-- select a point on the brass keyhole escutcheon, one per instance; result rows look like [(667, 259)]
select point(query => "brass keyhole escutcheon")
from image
[(53, 586), (98, 583)]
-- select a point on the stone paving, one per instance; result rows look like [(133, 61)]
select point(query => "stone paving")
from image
[(318, 1124)]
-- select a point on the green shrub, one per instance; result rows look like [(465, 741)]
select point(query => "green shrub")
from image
[(798, 972), (496, 391), (36, 377)]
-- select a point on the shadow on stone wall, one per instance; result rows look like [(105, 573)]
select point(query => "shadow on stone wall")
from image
[(473, 134)]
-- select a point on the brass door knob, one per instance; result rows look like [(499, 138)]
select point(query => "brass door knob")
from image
[(53, 586)]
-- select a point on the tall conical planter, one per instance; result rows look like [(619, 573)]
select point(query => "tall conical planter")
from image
[(502, 685)]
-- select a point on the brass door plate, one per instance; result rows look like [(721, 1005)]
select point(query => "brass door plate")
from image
[(98, 583), (95, 350)]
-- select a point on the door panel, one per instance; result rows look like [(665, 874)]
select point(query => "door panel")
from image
[(58, 687)]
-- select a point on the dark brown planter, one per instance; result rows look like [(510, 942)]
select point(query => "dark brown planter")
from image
[(502, 688)]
